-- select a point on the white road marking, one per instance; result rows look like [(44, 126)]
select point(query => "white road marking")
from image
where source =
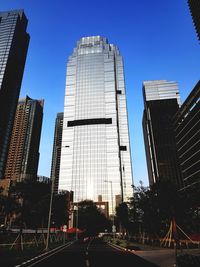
[(48, 256)]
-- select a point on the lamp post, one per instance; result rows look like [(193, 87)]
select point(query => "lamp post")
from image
[(49, 217), (77, 221)]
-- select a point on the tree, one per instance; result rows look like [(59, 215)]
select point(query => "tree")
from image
[(91, 219), (156, 206), (33, 198), (123, 217), (60, 212), (191, 203), (8, 209)]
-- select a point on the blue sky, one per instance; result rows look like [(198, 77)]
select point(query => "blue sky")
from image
[(156, 38)]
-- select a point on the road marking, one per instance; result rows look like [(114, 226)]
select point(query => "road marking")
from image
[(87, 253), (56, 250), (87, 263)]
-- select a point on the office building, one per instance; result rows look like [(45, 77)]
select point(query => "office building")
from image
[(14, 42), (43, 179), (194, 6), (55, 164), (161, 102), (23, 155), (187, 130), (95, 153)]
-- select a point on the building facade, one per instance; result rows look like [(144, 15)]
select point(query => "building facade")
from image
[(23, 155), (187, 130), (161, 102), (14, 42), (95, 153), (194, 6), (55, 164)]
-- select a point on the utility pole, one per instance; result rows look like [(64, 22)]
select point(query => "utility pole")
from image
[(50, 210), (77, 222)]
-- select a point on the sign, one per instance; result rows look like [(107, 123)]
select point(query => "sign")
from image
[(114, 229), (64, 228)]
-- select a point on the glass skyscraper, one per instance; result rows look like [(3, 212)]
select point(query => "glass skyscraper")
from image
[(14, 42), (161, 102), (95, 153)]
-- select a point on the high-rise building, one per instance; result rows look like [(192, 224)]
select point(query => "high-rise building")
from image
[(95, 153), (14, 42), (194, 6), (161, 102), (187, 129), (55, 164), (23, 155)]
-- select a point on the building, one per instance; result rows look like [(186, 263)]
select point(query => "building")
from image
[(55, 164), (95, 151), (161, 102), (187, 130), (14, 42), (194, 6), (23, 155), (43, 179)]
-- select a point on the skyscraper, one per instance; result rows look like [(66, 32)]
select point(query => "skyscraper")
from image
[(55, 164), (23, 156), (187, 129), (161, 102), (194, 6), (13, 49), (95, 154)]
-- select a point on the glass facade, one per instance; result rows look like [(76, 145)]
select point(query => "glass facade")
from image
[(95, 153), (14, 42), (160, 90), (161, 99)]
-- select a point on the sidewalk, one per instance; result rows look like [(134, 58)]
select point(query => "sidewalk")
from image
[(163, 257)]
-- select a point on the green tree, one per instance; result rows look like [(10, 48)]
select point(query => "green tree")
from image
[(155, 207), (8, 209), (123, 217), (91, 219), (33, 198), (60, 212)]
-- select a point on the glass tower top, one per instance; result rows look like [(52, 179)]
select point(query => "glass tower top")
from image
[(160, 89)]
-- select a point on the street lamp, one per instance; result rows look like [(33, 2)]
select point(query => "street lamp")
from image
[(50, 210), (77, 221)]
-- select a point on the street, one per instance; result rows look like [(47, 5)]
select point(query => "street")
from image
[(94, 253)]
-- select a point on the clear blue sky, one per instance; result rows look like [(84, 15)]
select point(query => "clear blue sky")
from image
[(156, 38)]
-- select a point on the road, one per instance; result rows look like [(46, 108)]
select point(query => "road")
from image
[(94, 253)]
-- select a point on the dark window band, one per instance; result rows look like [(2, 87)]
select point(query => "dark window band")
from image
[(123, 148), (89, 122)]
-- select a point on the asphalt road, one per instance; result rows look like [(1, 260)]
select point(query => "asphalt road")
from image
[(94, 253)]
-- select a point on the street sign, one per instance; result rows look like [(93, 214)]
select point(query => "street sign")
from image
[(114, 229), (64, 228)]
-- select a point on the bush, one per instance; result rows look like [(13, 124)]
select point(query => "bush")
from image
[(188, 260)]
